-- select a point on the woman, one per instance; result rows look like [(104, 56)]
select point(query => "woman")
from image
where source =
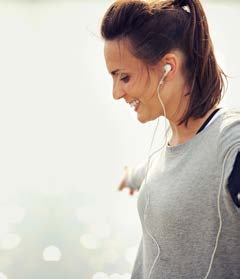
[(162, 62)]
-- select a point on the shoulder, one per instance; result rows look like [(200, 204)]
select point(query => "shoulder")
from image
[(230, 115), (230, 126)]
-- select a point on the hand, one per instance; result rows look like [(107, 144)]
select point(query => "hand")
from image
[(123, 183)]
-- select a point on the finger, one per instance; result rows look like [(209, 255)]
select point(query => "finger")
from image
[(122, 185)]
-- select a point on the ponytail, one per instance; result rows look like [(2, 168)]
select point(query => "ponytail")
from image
[(206, 76)]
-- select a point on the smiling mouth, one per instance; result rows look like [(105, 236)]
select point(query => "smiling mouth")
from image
[(135, 104)]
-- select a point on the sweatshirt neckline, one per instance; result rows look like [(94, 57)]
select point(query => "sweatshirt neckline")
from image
[(198, 136)]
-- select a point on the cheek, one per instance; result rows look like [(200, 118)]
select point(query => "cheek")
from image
[(147, 88), (134, 89), (148, 93)]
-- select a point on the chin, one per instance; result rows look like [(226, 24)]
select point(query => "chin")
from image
[(148, 117), (143, 120)]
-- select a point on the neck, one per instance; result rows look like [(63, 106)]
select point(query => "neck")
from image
[(181, 134)]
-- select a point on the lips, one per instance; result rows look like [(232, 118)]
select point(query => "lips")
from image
[(137, 106)]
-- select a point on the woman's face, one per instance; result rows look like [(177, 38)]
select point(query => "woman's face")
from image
[(133, 81)]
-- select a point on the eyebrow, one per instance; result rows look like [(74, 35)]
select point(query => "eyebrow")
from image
[(115, 71)]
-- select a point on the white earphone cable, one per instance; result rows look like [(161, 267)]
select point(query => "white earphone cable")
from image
[(219, 191), (149, 157), (165, 124)]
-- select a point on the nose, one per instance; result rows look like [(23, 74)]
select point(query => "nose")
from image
[(117, 92)]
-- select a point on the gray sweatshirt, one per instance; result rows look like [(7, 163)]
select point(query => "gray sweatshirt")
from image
[(190, 225)]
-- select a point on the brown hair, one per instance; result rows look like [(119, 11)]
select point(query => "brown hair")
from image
[(154, 28)]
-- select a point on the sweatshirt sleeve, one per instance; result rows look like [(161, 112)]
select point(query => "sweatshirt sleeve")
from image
[(136, 175), (234, 182)]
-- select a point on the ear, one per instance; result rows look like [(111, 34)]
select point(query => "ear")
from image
[(175, 59)]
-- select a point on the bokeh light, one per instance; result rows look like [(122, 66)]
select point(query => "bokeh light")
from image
[(100, 275), (10, 241), (89, 241), (52, 254)]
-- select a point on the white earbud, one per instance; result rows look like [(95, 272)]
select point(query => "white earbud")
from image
[(167, 69)]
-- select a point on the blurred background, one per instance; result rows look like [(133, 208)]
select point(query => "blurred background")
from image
[(64, 141)]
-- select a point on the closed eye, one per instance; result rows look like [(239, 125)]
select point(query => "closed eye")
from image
[(125, 78)]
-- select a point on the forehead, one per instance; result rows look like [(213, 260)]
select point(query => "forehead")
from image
[(118, 56)]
